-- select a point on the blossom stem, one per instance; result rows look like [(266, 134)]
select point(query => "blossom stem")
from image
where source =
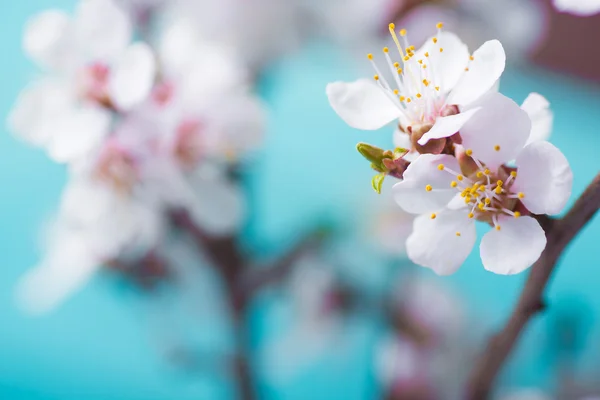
[(559, 233)]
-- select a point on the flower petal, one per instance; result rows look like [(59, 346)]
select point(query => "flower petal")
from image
[(103, 29), (545, 178), (362, 104), (447, 126), (132, 76), (513, 248), (77, 133), (538, 109), (498, 132), (46, 38), (411, 193), (485, 69), (443, 243), (578, 7), (448, 65)]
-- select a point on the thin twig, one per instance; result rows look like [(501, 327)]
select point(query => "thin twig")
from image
[(559, 234)]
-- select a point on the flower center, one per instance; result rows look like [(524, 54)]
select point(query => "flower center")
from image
[(117, 167), (486, 194), (95, 83), (188, 144)]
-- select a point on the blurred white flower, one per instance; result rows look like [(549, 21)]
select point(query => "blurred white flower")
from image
[(541, 184), (581, 8), (526, 394), (538, 109), (93, 70), (434, 91)]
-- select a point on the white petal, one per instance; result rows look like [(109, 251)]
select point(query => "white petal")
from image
[(578, 7), (447, 126), (66, 268), (435, 244), (448, 66), (500, 122), (103, 29), (78, 133), (402, 140), (132, 76), (545, 177), (484, 71), (513, 248), (46, 38), (362, 104), (538, 109), (410, 194), (36, 109)]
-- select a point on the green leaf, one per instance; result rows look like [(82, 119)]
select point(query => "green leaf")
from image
[(377, 182)]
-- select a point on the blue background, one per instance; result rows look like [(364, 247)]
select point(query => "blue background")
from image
[(101, 344)]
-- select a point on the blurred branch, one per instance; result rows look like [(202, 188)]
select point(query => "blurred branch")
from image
[(559, 233)]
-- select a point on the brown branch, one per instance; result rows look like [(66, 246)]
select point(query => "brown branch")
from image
[(559, 234)]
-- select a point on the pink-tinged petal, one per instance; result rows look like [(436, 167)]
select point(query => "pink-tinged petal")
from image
[(544, 177), (498, 132), (132, 76), (538, 109), (448, 65), (581, 8), (485, 69), (67, 267), (448, 126), (443, 243), (513, 248), (362, 104), (46, 38), (102, 28), (78, 133), (412, 195)]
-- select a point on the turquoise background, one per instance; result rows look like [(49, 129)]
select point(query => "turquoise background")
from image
[(101, 344)]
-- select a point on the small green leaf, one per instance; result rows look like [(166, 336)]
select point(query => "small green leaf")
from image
[(377, 182)]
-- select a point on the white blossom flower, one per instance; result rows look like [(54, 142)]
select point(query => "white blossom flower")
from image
[(433, 92), (538, 109), (93, 70), (487, 191), (578, 7)]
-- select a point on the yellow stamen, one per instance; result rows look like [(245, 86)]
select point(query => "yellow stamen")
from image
[(480, 206), (499, 183), (441, 49), (376, 77), (425, 82), (487, 171), (513, 174), (397, 64), (437, 88), (497, 147), (419, 95), (471, 215), (399, 70), (386, 50), (396, 91), (440, 25), (402, 32), (453, 184), (497, 227), (434, 40), (469, 152), (428, 188), (402, 98), (471, 58), (370, 56), (441, 167), (433, 216), (457, 233), (479, 174), (520, 195), (426, 54), (408, 100), (517, 214), (498, 190), (459, 177), (488, 201)]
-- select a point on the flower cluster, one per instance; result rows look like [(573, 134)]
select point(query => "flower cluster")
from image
[(144, 128), (474, 154)]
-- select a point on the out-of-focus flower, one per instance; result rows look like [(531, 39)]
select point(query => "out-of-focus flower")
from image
[(521, 25), (476, 186), (93, 70), (433, 93), (526, 394), (578, 7)]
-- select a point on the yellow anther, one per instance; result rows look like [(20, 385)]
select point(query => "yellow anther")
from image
[(428, 188), (498, 190), (469, 152), (480, 206), (406, 58), (397, 64), (403, 32), (376, 77), (408, 100), (420, 61), (467, 69), (424, 66), (370, 56), (433, 216), (386, 50), (497, 147), (396, 91), (499, 183), (497, 227), (479, 174), (434, 40), (471, 58), (459, 177), (411, 47), (520, 195), (402, 98), (487, 201), (425, 82), (440, 25), (399, 70), (441, 167), (467, 199), (513, 174), (441, 49), (419, 95), (437, 88), (471, 215), (482, 188), (486, 171), (457, 233), (463, 194), (426, 54), (474, 188), (453, 184), (517, 214), (392, 26)]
